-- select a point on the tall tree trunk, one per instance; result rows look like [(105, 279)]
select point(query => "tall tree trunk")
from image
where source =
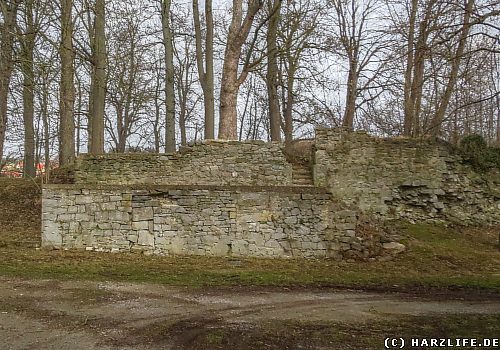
[(437, 120), (9, 12), (169, 81), (98, 84), (45, 123), (28, 45), (182, 92), (410, 54), (230, 84), (272, 78), (78, 112), (206, 75), (67, 88), (182, 117), (156, 123), (121, 128), (417, 84)]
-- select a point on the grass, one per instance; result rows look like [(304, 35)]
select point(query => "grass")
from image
[(369, 335), (437, 257)]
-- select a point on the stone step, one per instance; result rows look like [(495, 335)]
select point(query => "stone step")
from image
[(301, 176), (303, 184), (301, 173), (304, 176)]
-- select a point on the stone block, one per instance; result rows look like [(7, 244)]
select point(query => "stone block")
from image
[(83, 199), (142, 214), (119, 216), (102, 216), (394, 247), (51, 235), (239, 247), (133, 237), (108, 206), (145, 238)]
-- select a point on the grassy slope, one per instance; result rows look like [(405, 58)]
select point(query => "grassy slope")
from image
[(436, 256), (20, 208)]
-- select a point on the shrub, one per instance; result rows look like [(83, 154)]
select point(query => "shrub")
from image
[(476, 152)]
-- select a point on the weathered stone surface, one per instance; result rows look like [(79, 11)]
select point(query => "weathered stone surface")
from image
[(210, 163), (235, 203), (403, 178), (260, 223), (394, 247), (142, 214)]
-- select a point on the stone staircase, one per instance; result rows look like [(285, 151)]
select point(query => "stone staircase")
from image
[(301, 175)]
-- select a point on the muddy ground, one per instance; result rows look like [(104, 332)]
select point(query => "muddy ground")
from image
[(51, 314)]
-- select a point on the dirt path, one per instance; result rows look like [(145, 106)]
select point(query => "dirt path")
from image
[(49, 314)]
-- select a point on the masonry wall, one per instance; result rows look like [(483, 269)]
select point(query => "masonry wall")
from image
[(404, 178), (218, 221), (207, 163), (238, 198)]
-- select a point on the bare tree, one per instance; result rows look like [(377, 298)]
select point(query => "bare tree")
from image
[(437, 120), (359, 42), (231, 78), (296, 35), (129, 75)]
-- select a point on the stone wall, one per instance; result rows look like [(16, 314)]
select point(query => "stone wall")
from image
[(239, 198), (404, 178), (208, 163), (204, 220)]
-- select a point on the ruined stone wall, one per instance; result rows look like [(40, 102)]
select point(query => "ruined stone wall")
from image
[(206, 220), (404, 178), (207, 163), (241, 198)]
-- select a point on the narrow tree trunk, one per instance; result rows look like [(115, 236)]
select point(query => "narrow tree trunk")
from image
[(182, 120), (288, 114), (206, 75), (182, 90), (121, 117), (272, 78), (169, 74), (417, 85), (208, 95), (99, 81), (79, 109), (9, 12), (28, 44), (45, 123), (67, 88), (351, 94), (156, 124), (410, 52)]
